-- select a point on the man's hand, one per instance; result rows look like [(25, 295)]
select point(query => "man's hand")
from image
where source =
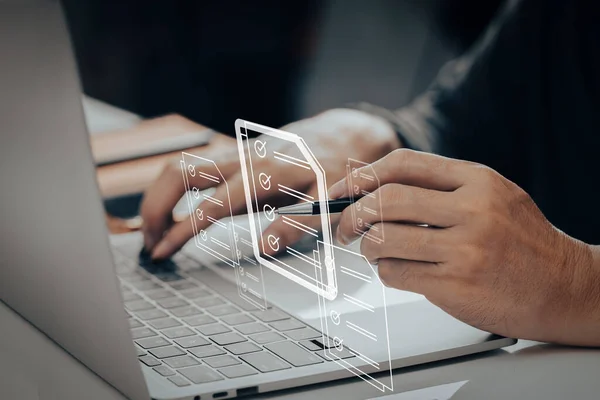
[(488, 257), (332, 136)]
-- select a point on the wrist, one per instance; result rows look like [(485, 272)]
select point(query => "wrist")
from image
[(581, 310), (364, 127)]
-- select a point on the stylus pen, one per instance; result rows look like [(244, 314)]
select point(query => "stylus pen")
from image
[(314, 208)]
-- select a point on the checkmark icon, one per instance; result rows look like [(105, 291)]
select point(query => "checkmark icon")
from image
[(260, 148), (265, 180), (200, 214), (335, 317), (203, 235), (273, 242), (269, 212)]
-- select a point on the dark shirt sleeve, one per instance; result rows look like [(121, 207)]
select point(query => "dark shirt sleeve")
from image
[(469, 112)]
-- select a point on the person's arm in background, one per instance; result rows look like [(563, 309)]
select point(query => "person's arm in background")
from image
[(479, 103)]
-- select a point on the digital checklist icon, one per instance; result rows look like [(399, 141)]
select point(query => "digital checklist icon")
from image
[(269, 212), (260, 148), (265, 181), (273, 242)]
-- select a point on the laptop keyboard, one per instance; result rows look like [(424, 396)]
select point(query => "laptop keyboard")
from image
[(189, 334)]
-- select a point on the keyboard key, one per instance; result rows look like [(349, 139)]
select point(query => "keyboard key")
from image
[(237, 319), (138, 305), (242, 348), (249, 329), (145, 285), (199, 320), (172, 303), (164, 323), (201, 374), (270, 315), (192, 341), (160, 294), (227, 338), (149, 361), (174, 333), (181, 361), (140, 352), (206, 302), (223, 310), (179, 381), (164, 370), (221, 361), (129, 296), (148, 315), (265, 361), (266, 337), (182, 285), (152, 342), (287, 325), (185, 311), (309, 345), (302, 334), (293, 354), (238, 371), (196, 293), (213, 329), (139, 333), (165, 352), (134, 323), (206, 351), (134, 277), (345, 353)]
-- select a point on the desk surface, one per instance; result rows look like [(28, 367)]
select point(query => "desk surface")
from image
[(34, 367)]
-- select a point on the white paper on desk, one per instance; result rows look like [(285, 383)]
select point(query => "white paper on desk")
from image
[(441, 392)]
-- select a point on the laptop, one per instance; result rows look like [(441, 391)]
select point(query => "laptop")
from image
[(178, 332)]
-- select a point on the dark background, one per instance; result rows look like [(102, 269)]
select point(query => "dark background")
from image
[(268, 61)]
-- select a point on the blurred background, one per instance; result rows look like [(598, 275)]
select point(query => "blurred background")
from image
[(268, 61)]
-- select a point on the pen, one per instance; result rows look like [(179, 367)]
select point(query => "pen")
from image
[(314, 208)]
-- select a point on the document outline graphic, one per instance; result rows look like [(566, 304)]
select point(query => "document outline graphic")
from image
[(326, 289), (234, 256), (338, 329), (355, 168)]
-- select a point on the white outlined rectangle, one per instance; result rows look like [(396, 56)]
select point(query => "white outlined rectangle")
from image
[(247, 150)]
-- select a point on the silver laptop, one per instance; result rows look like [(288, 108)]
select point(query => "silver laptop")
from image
[(181, 331)]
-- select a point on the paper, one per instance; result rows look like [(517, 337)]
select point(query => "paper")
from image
[(441, 392)]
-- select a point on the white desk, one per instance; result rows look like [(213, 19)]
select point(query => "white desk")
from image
[(34, 367)]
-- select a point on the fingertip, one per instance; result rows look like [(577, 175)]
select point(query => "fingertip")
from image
[(163, 250), (338, 190)]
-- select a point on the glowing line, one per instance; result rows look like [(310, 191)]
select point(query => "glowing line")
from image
[(255, 293), (218, 242), (299, 228), (367, 194), (213, 200), (291, 162), (366, 359), (254, 278), (209, 177), (214, 221), (246, 242), (359, 303), (300, 258), (293, 195), (370, 210), (291, 158), (362, 331), (354, 274), (251, 261), (295, 191), (300, 224)]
